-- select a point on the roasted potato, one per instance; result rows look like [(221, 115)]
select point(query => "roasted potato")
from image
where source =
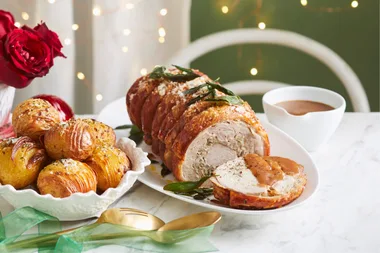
[(71, 139), (21, 159), (34, 117), (104, 134), (109, 164), (65, 177)]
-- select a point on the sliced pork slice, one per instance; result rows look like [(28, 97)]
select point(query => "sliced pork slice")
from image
[(254, 182)]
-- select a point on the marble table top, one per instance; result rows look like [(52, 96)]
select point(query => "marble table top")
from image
[(344, 215)]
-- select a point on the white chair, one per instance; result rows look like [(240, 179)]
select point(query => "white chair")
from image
[(279, 37)]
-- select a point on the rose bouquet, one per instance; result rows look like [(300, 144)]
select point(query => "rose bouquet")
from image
[(25, 53)]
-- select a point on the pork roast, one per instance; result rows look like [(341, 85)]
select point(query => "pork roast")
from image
[(255, 182), (190, 132)]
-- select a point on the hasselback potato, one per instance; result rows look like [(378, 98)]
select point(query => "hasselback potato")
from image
[(65, 177), (109, 164), (192, 122), (103, 134), (70, 139), (34, 117), (21, 159)]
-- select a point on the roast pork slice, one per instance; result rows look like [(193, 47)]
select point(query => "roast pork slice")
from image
[(237, 185), (216, 145)]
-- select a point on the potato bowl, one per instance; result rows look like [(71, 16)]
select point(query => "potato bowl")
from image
[(81, 205)]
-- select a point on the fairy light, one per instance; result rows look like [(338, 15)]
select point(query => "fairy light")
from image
[(51, 1), (143, 71), (67, 41), (262, 25), (161, 32), (129, 6), (253, 71), (99, 97), (24, 15), (225, 9), (17, 24), (126, 32), (161, 39), (163, 12), (354, 4), (96, 11), (81, 76), (75, 27), (303, 2), (124, 49)]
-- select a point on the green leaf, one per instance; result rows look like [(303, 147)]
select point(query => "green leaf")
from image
[(232, 100), (183, 69), (123, 127), (194, 89), (192, 101), (187, 75), (158, 72), (221, 88), (185, 186), (165, 170)]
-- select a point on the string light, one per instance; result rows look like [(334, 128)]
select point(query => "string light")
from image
[(354, 4), (163, 12), (96, 11), (24, 15), (225, 9), (126, 32), (17, 24), (99, 97), (262, 25), (75, 27), (161, 32), (51, 1), (161, 39), (129, 6), (253, 71), (67, 41), (124, 49), (143, 71), (81, 76), (303, 2)]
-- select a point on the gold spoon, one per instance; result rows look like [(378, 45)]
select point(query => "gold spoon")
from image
[(132, 218), (183, 226)]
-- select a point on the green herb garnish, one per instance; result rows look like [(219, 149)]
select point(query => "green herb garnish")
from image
[(185, 75), (165, 171), (190, 188), (211, 95), (135, 134)]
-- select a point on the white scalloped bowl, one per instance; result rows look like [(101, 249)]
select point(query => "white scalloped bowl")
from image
[(81, 205)]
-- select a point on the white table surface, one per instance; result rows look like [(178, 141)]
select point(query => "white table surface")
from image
[(344, 215)]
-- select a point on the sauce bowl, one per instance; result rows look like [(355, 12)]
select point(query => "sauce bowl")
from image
[(312, 129)]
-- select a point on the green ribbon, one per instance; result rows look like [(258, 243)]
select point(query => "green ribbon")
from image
[(15, 224)]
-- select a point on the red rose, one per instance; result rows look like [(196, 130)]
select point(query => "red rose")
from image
[(51, 38), (6, 23), (24, 55)]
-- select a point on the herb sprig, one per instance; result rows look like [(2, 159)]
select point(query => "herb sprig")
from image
[(211, 96), (191, 188), (185, 75), (135, 134)]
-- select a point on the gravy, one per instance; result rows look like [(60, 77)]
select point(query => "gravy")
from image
[(301, 107)]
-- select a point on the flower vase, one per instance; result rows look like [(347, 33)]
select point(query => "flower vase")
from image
[(7, 94)]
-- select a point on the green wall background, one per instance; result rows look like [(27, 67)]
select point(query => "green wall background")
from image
[(353, 34)]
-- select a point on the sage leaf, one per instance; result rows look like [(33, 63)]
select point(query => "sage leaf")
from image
[(187, 186)]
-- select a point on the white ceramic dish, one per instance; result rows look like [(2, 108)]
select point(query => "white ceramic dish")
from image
[(312, 129), (81, 205), (282, 144)]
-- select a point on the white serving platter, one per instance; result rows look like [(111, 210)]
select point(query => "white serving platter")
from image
[(115, 114)]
